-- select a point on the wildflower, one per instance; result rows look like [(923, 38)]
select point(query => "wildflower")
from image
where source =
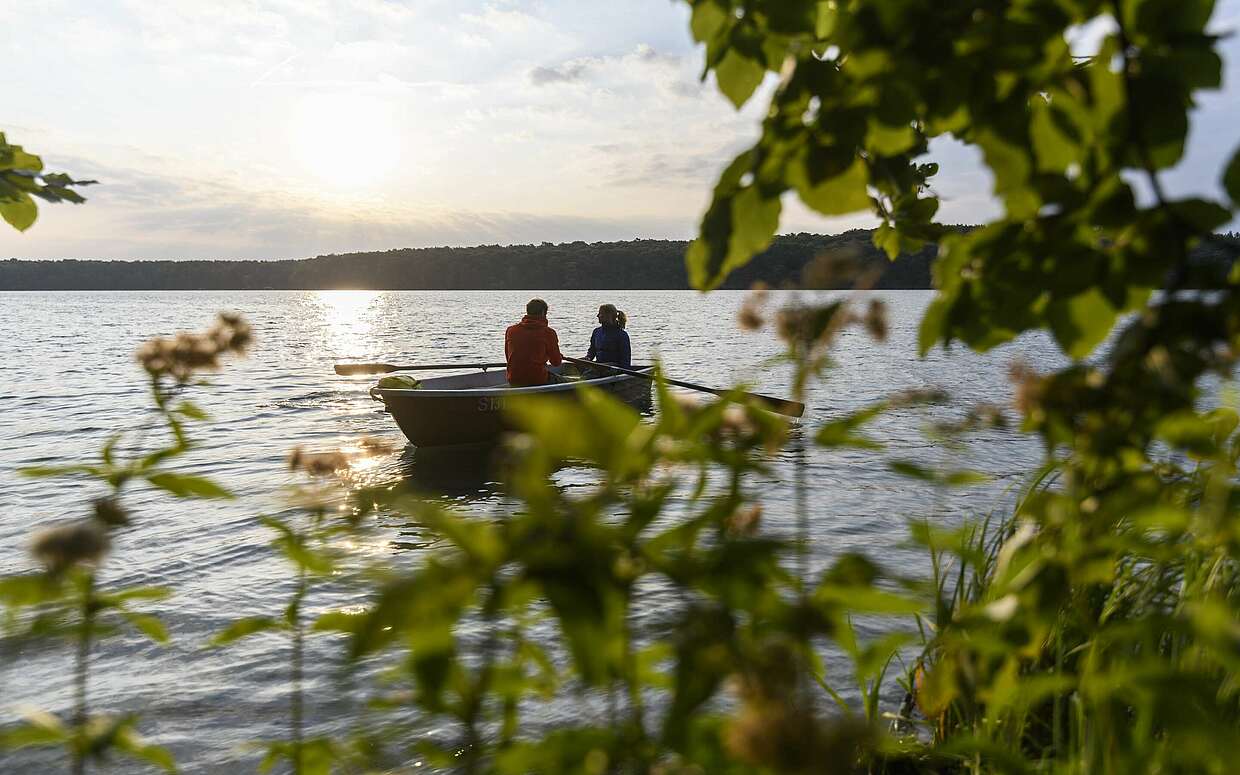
[(186, 353), (231, 333), (61, 547), (812, 326), (375, 446), (743, 523), (875, 320), (1002, 609), (317, 463), (735, 421), (979, 417), (988, 416), (1029, 387), (110, 513), (687, 403), (919, 396), (750, 316)]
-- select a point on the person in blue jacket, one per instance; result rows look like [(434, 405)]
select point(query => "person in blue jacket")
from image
[(610, 342)]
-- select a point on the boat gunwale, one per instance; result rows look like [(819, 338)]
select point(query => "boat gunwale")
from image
[(487, 392)]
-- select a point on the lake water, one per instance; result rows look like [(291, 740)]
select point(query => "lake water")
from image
[(69, 380)]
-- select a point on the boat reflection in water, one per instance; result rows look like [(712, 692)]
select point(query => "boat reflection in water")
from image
[(465, 480), (466, 474)]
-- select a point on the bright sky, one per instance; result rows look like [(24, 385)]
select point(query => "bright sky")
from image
[(290, 128)]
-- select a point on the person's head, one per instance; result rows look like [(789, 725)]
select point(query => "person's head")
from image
[(608, 314), (536, 308)]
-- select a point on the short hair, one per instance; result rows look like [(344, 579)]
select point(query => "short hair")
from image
[(536, 307)]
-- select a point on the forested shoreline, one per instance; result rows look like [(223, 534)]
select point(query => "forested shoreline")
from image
[(644, 264), (635, 264)]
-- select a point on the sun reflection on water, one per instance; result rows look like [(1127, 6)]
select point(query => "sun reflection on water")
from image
[(349, 320)]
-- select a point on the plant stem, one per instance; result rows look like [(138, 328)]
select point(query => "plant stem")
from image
[(296, 704), (80, 673)]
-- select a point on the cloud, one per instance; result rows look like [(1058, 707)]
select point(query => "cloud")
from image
[(517, 120), (141, 215), (637, 65), (565, 73)]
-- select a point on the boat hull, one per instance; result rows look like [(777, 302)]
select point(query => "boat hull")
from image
[(431, 417)]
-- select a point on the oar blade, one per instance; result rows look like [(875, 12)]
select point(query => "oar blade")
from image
[(779, 405), (350, 369)]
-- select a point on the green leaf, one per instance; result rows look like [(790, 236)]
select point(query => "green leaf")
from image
[(19, 210), (25, 161), (1231, 178), (912, 470), (293, 547), (39, 728), (27, 590), (945, 478), (43, 472), (1011, 164), (828, 16), (868, 600), (140, 593), (148, 625), (843, 432), (874, 658), (131, 743), (477, 538), (741, 221), (837, 195), (1203, 215), (1081, 322), (191, 410), (188, 486), (244, 628), (708, 21), (888, 140), (933, 326), (1054, 148), (738, 76), (340, 621)]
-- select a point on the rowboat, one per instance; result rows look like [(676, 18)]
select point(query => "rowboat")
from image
[(471, 408)]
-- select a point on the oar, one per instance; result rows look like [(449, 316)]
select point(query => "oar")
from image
[(779, 405), (349, 369)]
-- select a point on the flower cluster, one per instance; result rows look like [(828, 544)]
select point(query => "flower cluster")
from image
[(317, 463), (84, 542), (750, 317), (81, 542), (744, 522), (776, 727), (184, 354), (1029, 387)]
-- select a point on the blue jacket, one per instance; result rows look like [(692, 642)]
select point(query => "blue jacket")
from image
[(610, 344)]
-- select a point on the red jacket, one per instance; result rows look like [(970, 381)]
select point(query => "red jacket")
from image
[(528, 347)]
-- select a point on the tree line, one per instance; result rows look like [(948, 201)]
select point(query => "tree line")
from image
[(641, 263), (806, 260)]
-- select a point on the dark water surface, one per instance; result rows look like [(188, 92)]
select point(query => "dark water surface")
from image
[(68, 381)]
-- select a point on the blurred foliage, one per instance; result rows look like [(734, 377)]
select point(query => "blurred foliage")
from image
[(67, 600), (1093, 627), (22, 178)]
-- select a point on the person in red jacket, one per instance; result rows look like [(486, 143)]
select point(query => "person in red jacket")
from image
[(530, 345)]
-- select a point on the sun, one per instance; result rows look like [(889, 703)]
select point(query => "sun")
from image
[(346, 141)]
